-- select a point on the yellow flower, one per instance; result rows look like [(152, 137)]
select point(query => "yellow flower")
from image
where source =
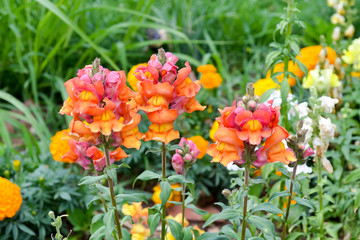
[(322, 79), (209, 78), (59, 147), (201, 144), (131, 79), (139, 232), (136, 211), (178, 218), (262, 85), (175, 196), (352, 55), (10, 199), (16, 165), (199, 229), (213, 129)]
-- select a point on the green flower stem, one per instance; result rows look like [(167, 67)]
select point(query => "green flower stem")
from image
[(243, 227), (112, 193), (284, 232), (183, 205), (163, 218), (320, 193)]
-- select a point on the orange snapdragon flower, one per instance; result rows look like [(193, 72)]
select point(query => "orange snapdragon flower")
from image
[(164, 94), (136, 211)]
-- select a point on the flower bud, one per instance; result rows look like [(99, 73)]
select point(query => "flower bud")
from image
[(98, 77), (337, 19), (16, 165), (336, 34), (6, 174), (177, 162), (226, 193), (51, 214), (308, 152), (349, 32), (96, 66), (187, 157), (250, 90), (337, 64), (322, 55), (161, 56), (340, 9), (251, 106)]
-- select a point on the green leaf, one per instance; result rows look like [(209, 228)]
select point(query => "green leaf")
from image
[(295, 213), (109, 223), (26, 229), (187, 234), (153, 222), (178, 179), (262, 224), (284, 90), (197, 210), (91, 179), (65, 196), (271, 58), (147, 175), (175, 228), (165, 192), (265, 96), (226, 214), (131, 197), (255, 238), (266, 206), (229, 231), (279, 194), (112, 173), (212, 236), (294, 235), (153, 150), (304, 202), (103, 189), (295, 47), (353, 176), (96, 223), (99, 234)]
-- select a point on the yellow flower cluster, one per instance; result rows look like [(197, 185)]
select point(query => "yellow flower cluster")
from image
[(322, 79), (352, 55), (10, 199), (209, 77), (136, 211), (174, 197), (59, 147), (201, 144), (139, 232), (178, 218)]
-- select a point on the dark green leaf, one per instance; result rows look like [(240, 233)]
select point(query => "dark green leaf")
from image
[(131, 197), (153, 222), (91, 179), (228, 230), (265, 96), (179, 179), (294, 235), (353, 176), (26, 229), (65, 196), (304, 202), (99, 234), (187, 234), (175, 228), (109, 223), (279, 194), (197, 210), (153, 150), (266, 206), (147, 175), (165, 192), (226, 214), (112, 174), (262, 224)]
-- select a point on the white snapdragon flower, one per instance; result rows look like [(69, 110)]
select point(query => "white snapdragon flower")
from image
[(327, 129), (300, 169), (308, 126), (233, 167), (302, 109), (328, 103), (327, 164)]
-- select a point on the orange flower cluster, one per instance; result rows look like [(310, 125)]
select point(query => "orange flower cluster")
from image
[(309, 56), (164, 94), (209, 77), (136, 211), (245, 125), (10, 199), (102, 107)]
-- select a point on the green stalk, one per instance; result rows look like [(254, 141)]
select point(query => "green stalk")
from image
[(112, 193), (183, 204), (243, 227), (284, 232), (163, 218), (320, 193)]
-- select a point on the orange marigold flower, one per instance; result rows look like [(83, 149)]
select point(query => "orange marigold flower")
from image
[(208, 68), (292, 67), (309, 56), (131, 79), (59, 147), (262, 85), (210, 80), (201, 144), (10, 199), (175, 196)]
